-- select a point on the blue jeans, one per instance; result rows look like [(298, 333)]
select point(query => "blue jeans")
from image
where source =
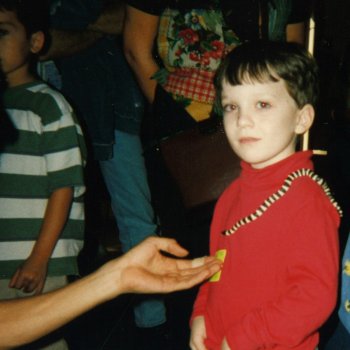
[(126, 180)]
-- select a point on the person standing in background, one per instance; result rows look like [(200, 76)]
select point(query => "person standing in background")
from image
[(41, 172), (177, 82), (86, 48), (191, 39)]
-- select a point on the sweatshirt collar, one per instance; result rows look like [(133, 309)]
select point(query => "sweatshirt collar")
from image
[(275, 174)]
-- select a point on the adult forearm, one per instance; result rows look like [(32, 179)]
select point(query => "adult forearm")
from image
[(24, 320), (139, 33), (66, 43), (111, 20), (144, 68), (144, 269)]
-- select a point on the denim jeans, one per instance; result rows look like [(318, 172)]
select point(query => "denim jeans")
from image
[(126, 180)]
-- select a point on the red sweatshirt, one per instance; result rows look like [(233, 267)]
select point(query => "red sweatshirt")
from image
[(278, 283)]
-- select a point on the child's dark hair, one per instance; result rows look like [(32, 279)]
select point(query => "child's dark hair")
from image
[(33, 14), (263, 61)]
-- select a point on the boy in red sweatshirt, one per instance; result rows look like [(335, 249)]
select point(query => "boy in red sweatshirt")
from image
[(276, 225)]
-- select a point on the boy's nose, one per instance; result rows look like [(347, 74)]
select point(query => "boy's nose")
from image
[(244, 119)]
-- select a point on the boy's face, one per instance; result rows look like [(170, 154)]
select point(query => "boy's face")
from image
[(15, 49), (261, 121)]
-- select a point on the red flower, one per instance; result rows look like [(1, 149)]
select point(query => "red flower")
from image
[(189, 36), (206, 58), (194, 56), (218, 49)]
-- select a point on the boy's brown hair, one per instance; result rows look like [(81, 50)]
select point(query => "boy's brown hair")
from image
[(263, 61)]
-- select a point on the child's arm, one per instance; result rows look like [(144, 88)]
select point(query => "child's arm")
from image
[(31, 275), (224, 345), (198, 334)]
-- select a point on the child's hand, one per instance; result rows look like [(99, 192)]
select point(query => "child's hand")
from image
[(30, 277), (198, 334), (224, 345)]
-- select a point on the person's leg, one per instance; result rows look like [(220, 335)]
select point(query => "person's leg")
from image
[(126, 180), (340, 340)]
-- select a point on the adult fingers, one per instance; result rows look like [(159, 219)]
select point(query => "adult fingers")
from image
[(198, 262), (168, 245), (185, 280)]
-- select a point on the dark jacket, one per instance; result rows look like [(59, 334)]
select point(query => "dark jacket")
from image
[(97, 81)]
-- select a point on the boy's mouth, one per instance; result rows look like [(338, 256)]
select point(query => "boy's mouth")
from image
[(247, 140)]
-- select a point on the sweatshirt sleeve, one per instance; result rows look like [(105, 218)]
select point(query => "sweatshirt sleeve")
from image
[(200, 303), (311, 279), (215, 229)]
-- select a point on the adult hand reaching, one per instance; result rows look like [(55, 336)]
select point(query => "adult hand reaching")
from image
[(144, 269)]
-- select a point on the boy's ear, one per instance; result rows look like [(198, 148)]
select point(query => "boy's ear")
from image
[(305, 119), (37, 41)]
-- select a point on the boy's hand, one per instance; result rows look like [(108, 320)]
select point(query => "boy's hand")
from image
[(30, 277), (198, 334), (224, 345)]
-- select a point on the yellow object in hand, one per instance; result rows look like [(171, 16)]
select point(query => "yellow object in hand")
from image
[(220, 255)]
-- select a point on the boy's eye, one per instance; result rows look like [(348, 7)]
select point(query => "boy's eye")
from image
[(229, 107), (263, 105), (3, 32)]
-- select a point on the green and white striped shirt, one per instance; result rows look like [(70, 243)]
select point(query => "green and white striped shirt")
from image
[(48, 154)]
